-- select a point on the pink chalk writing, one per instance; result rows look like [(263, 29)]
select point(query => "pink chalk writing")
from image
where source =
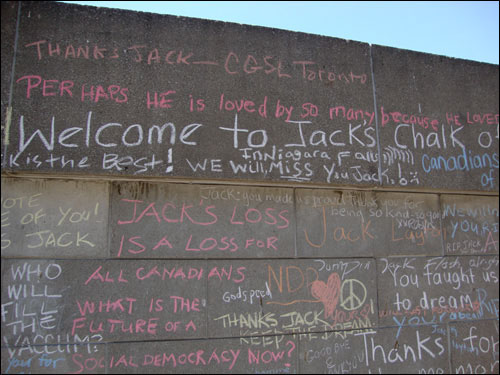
[(173, 273), (232, 63), (398, 117), (161, 215), (35, 84), (121, 304), (226, 358)]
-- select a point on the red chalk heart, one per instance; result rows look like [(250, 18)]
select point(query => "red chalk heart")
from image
[(328, 293)]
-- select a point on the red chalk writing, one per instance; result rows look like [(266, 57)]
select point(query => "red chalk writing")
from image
[(232, 63), (35, 84)]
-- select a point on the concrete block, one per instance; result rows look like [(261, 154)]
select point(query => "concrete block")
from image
[(438, 118), (419, 291), (201, 221), (310, 297), (364, 224), (227, 356), (63, 301), (471, 224), (474, 347), (121, 99), (54, 218), (9, 19), (384, 350)]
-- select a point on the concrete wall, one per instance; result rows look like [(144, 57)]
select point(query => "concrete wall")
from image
[(183, 195)]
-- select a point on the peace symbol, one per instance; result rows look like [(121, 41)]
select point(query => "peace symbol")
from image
[(352, 294)]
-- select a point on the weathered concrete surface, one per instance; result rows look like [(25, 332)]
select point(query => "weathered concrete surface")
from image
[(236, 278), (450, 140), (54, 218), (189, 221), (471, 224), (9, 17), (366, 224), (419, 291)]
